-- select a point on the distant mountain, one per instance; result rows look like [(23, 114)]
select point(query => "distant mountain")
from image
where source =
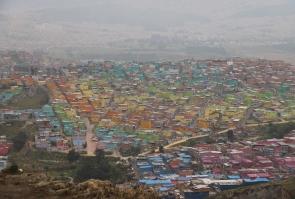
[(150, 18), (286, 9), (46, 3), (154, 13)]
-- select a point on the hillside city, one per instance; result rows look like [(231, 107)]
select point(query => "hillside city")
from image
[(186, 129)]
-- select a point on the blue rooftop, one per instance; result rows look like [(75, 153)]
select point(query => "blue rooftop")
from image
[(233, 177), (163, 189), (155, 181), (256, 180), (184, 178)]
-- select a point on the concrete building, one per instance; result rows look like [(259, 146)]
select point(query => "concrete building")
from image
[(26, 69)]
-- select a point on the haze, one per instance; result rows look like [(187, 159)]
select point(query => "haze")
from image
[(154, 29)]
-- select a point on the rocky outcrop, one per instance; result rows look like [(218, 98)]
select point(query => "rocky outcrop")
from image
[(39, 185)]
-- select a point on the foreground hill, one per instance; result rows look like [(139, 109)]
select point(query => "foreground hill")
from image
[(275, 190), (39, 185)]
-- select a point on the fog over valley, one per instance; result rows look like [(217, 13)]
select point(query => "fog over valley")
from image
[(137, 29)]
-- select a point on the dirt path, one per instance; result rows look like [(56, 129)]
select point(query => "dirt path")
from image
[(89, 134), (262, 124), (71, 179), (28, 122), (31, 145), (200, 136)]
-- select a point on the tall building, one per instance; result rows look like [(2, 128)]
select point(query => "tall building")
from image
[(25, 69)]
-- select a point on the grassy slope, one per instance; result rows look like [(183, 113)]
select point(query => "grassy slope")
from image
[(31, 102), (16, 127), (29, 157)]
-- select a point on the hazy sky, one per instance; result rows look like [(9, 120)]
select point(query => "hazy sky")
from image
[(211, 9), (184, 5), (232, 20), (161, 14)]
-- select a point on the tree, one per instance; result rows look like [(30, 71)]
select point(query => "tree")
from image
[(19, 141), (73, 156), (99, 153), (53, 143), (161, 149), (230, 135), (85, 172), (104, 170), (12, 169), (46, 168)]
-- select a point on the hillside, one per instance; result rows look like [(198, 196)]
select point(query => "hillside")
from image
[(39, 185), (33, 98), (274, 190)]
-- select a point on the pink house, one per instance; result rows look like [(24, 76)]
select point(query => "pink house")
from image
[(264, 164), (235, 164), (246, 163), (258, 175), (247, 151), (288, 163)]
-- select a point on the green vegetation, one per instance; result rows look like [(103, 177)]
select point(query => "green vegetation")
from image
[(230, 135), (16, 59), (132, 152), (12, 128), (99, 154), (55, 164), (101, 168), (19, 141), (108, 153), (13, 169), (27, 157), (73, 156), (275, 130), (32, 160), (161, 149), (35, 102), (65, 176), (194, 141), (146, 136)]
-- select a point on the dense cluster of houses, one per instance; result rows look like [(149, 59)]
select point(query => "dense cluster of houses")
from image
[(147, 104), (6, 95), (196, 172), (231, 87), (143, 105), (8, 59), (49, 130), (49, 135), (160, 102)]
